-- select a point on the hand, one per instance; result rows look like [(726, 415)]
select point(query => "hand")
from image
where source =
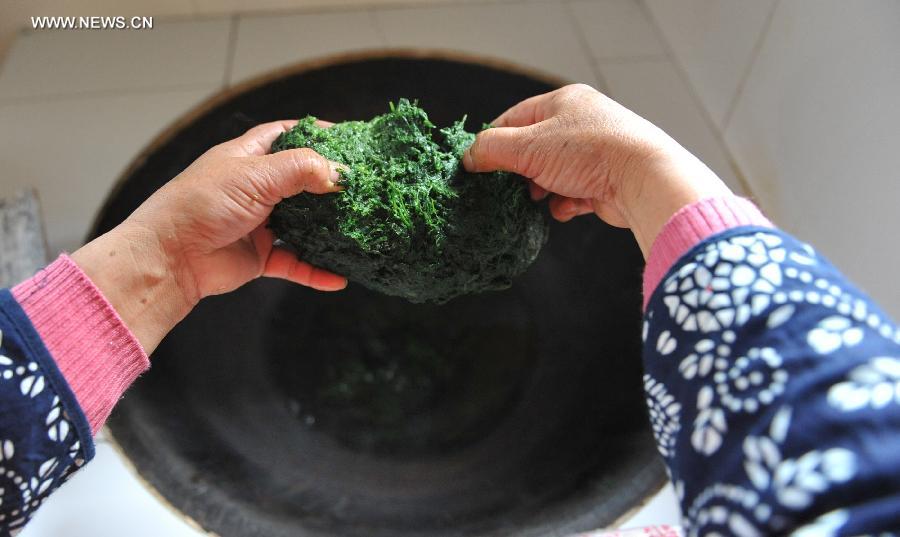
[(204, 233), (594, 156)]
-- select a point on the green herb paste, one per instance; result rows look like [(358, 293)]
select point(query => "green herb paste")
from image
[(410, 222)]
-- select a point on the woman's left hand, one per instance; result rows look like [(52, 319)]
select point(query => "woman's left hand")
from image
[(204, 233)]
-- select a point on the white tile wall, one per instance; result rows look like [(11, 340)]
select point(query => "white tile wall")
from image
[(105, 499), (19, 8), (617, 29), (817, 132), (75, 107), (539, 35), (271, 41), (656, 91), (661, 509), (14, 14), (73, 150), (239, 6), (714, 41), (172, 54)]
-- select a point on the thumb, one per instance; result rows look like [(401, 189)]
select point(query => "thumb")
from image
[(500, 148), (287, 173)]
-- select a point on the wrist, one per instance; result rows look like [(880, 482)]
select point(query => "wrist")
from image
[(139, 278), (668, 180)]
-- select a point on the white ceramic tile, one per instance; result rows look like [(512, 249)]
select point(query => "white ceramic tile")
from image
[(18, 12), (239, 6), (15, 14), (714, 41), (105, 499), (9, 30), (617, 29), (662, 509), (538, 35), (656, 91), (171, 54), (73, 150), (268, 42), (129, 8), (816, 131), (102, 436)]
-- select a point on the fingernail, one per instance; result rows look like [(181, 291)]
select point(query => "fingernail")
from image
[(336, 177), (467, 160)]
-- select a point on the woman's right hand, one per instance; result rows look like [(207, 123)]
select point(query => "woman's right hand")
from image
[(595, 156)]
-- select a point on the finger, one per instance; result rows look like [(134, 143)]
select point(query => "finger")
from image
[(527, 112), (262, 239), (565, 209), (256, 141), (500, 148), (537, 192), (285, 265), (324, 124), (279, 263), (287, 173)]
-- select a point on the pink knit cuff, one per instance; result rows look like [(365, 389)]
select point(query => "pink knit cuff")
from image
[(96, 353), (690, 225)]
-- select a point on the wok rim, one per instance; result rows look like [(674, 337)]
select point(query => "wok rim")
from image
[(222, 96)]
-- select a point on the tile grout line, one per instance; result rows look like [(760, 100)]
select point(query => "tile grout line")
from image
[(326, 8), (88, 94), (585, 46), (704, 112), (595, 63), (745, 76), (230, 50), (634, 60)]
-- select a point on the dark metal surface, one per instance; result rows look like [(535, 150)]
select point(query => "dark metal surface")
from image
[(534, 425)]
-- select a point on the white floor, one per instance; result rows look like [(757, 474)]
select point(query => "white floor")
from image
[(75, 107)]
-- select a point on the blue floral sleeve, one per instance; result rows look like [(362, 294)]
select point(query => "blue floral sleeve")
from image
[(44, 436), (773, 388)]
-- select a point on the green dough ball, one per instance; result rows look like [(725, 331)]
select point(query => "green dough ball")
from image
[(410, 222)]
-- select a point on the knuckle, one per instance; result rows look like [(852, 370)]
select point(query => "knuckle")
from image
[(249, 141), (249, 167), (309, 163), (580, 88), (253, 133), (249, 171), (530, 156), (573, 94), (249, 134), (496, 149), (217, 150)]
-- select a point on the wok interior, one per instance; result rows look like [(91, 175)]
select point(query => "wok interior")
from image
[(277, 410)]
